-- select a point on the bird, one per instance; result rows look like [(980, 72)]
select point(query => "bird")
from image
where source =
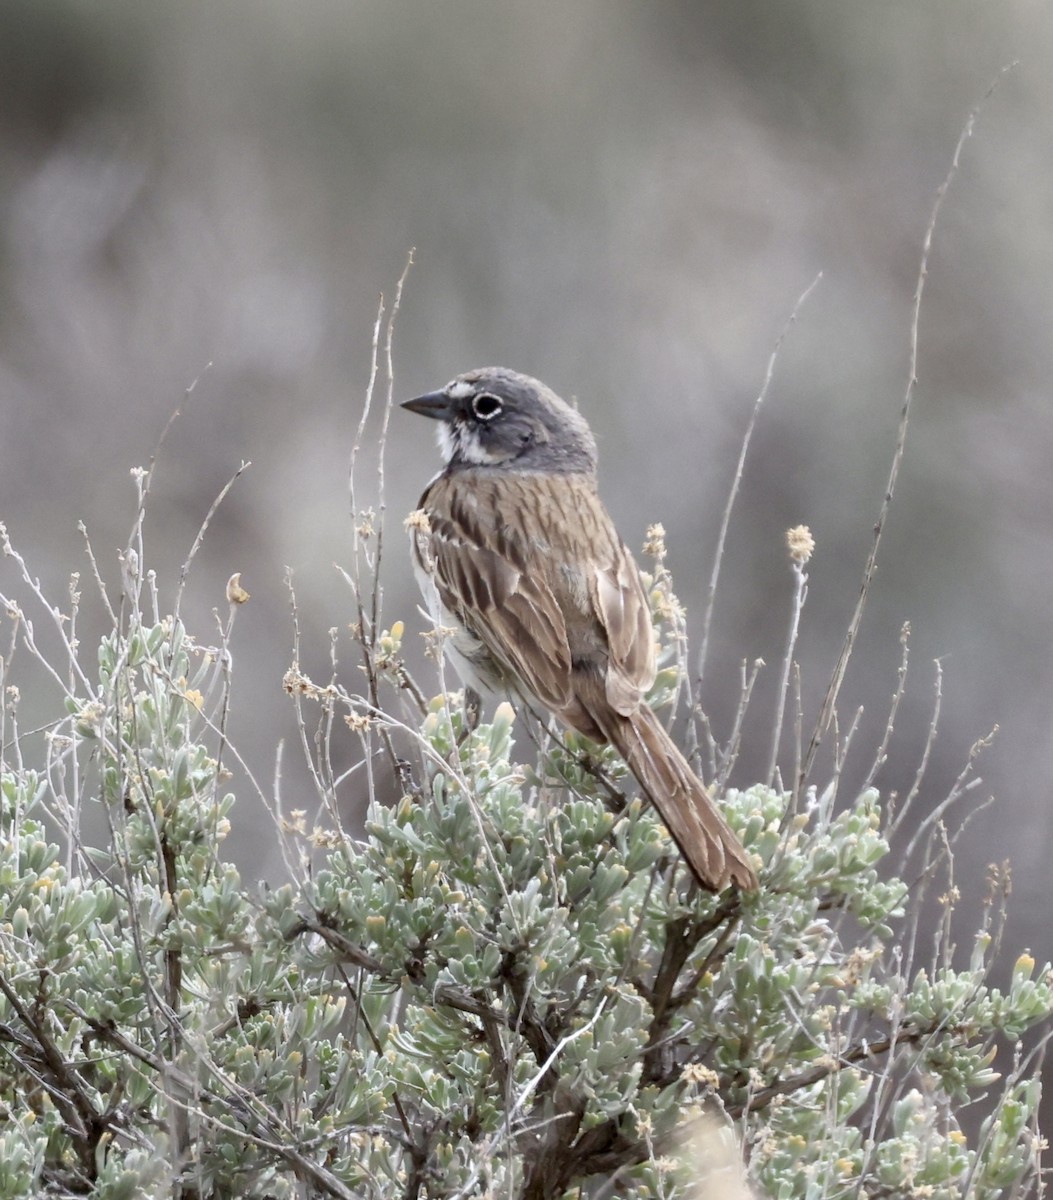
[(517, 555)]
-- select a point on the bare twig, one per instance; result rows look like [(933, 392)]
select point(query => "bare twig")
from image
[(720, 772), (184, 571), (800, 594), (901, 686), (829, 703), (718, 557)]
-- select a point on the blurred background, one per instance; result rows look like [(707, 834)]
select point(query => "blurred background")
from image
[(624, 200)]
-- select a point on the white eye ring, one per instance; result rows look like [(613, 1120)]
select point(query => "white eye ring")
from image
[(486, 406)]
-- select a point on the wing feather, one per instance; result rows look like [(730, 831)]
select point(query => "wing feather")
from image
[(550, 589), (621, 606), (483, 578)]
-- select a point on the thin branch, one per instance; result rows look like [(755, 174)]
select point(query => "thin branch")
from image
[(829, 703), (722, 536), (897, 696), (800, 594), (184, 571)]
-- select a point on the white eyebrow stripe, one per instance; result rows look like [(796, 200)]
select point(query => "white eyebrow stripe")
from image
[(459, 389)]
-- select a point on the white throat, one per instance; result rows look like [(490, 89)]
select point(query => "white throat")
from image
[(458, 440)]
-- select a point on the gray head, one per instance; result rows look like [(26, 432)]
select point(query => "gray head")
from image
[(495, 417)]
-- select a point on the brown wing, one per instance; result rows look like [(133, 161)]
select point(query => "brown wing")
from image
[(539, 574), (621, 605), (490, 577)]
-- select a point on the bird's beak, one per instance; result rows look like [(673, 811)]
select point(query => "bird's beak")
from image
[(436, 405)]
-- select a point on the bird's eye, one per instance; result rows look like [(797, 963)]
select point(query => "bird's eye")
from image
[(485, 406)]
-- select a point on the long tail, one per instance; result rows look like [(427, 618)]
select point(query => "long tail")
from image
[(713, 852)]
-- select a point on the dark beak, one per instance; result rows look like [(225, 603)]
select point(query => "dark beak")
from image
[(436, 405)]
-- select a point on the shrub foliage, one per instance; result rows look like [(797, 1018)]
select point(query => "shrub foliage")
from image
[(505, 985)]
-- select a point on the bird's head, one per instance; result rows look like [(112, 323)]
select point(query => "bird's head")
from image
[(494, 417)]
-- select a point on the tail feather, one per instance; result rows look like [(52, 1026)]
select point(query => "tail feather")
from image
[(713, 852)]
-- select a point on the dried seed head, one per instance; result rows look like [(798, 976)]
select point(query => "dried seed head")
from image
[(418, 519), (236, 594), (654, 546), (800, 543)]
